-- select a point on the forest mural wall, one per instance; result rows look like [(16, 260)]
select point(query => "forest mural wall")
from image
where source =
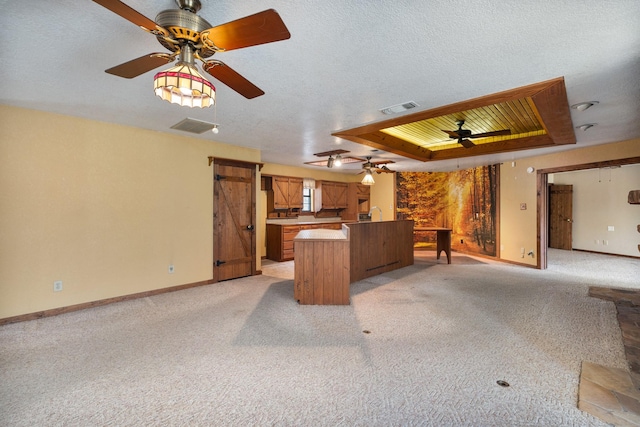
[(465, 201)]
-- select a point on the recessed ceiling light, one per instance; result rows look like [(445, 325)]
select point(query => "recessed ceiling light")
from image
[(584, 105), (399, 108), (586, 126)]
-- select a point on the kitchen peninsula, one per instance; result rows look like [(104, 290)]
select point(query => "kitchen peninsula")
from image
[(321, 263)]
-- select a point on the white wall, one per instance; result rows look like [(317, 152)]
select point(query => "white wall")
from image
[(600, 202)]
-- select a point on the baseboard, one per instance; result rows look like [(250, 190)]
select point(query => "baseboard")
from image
[(85, 305), (606, 253)]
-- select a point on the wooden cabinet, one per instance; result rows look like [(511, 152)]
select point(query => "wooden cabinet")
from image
[(287, 192), (358, 196), (321, 269), (330, 195), (280, 238), (379, 246)]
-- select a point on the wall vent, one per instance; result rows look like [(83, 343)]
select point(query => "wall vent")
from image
[(399, 108), (193, 126)]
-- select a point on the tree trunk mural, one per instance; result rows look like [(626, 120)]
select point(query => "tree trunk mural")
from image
[(465, 201)]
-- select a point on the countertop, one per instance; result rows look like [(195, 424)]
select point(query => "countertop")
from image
[(322, 234), (303, 220)]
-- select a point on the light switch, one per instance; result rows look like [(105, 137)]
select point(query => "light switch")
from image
[(610, 228)]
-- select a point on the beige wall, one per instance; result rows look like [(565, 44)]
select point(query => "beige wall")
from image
[(518, 228), (103, 208), (383, 195), (599, 202), (106, 208)]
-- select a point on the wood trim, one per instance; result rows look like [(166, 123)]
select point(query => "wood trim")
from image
[(233, 162), (593, 165), (542, 213), (98, 303), (498, 208), (526, 143)]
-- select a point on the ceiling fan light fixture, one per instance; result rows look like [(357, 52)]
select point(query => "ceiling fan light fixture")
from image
[(368, 179), (330, 162), (185, 86)]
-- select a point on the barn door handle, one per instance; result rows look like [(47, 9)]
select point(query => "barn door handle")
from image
[(219, 263), (569, 220), (250, 227)]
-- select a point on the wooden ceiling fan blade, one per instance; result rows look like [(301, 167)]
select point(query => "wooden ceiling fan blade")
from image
[(128, 13), (488, 134), (452, 133), (252, 30), (231, 78), (466, 143), (141, 65)]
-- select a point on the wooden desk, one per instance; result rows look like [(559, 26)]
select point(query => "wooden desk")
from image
[(443, 240)]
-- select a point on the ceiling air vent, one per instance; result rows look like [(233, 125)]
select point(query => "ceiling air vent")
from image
[(193, 126), (399, 108)]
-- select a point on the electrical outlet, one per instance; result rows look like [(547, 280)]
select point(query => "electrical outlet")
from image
[(57, 286), (171, 269)]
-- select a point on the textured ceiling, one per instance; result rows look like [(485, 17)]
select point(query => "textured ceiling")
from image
[(343, 63)]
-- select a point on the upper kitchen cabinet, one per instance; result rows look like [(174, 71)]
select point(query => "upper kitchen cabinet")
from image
[(331, 195), (358, 196), (287, 192), (283, 193)]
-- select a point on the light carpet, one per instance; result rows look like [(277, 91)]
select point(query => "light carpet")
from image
[(420, 346)]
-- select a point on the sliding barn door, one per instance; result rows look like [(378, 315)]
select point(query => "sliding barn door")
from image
[(234, 214)]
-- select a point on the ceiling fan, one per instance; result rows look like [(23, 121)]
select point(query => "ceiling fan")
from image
[(462, 134), (375, 166), (188, 36)]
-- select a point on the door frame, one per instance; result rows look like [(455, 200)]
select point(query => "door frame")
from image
[(542, 203)]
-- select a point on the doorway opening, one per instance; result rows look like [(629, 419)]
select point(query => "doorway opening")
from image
[(542, 184)]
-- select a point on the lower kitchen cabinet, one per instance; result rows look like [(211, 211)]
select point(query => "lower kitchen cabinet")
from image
[(280, 238)]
